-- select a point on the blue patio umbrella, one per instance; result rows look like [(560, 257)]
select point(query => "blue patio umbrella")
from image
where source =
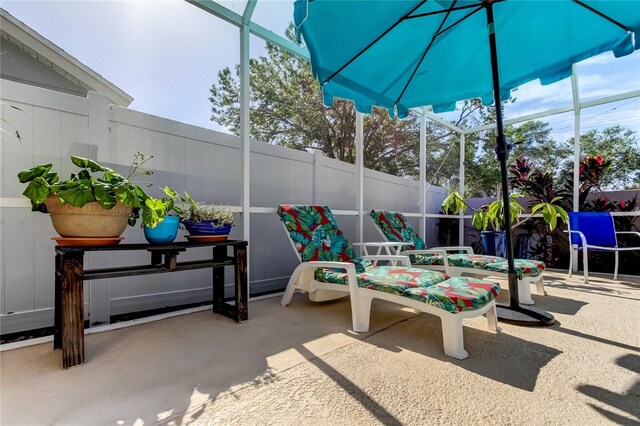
[(411, 53)]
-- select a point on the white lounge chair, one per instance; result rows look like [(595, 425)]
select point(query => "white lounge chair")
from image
[(329, 269), (394, 227)]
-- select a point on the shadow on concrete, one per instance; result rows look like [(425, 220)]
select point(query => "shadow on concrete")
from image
[(627, 402), (558, 327), (558, 305), (590, 288), (172, 369), (500, 357), (377, 410)]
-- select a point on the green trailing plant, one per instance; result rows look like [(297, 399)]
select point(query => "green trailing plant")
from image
[(93, 182)]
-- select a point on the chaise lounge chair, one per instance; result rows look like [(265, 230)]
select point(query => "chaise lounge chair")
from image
[(329, 269), (395, 228)]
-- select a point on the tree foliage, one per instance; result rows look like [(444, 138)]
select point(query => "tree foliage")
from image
[(287, 109), (621, 147)]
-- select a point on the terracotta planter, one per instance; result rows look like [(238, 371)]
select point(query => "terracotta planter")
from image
[(89, 221)]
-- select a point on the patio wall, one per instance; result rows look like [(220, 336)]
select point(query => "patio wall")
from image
[(204, 162)]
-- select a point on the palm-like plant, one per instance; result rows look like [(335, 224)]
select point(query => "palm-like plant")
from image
[(545, 199)]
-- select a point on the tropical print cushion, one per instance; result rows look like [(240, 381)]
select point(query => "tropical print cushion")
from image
[(389, 279), (456, 294), (426, 259), (315, 234), (396, 228), (524, 267), (461, 260), (451, 294)]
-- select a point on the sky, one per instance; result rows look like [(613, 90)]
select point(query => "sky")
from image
[(166, 54)]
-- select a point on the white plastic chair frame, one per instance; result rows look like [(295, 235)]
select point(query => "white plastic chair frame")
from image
[(585, 251), (361, 298), (524, 285)]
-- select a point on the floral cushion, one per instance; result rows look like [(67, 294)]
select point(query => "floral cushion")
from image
[(524, 267), (456, 294), (396, 228), (426, 259), (461, 260), (390, 279), (315, 234), (476, 261), (451, 294)]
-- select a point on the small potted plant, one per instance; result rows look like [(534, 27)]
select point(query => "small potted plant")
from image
[(208, 221), (161, 217), (492, 215), (96, 202)]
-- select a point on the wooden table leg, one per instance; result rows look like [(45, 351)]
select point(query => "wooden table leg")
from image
[(219, 252), (242, 305), (72, 309), (156, 257), (57, 310)]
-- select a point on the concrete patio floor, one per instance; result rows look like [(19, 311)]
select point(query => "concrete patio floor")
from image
[(302, 365)]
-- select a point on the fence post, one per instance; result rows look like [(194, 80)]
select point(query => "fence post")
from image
[(461, 189), (99, 291), (423, 174), (317, 167), (576, 154), (360, 173)]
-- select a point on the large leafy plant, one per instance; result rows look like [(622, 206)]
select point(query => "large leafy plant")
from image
[(93, 182), (493, 214), (540, 186)]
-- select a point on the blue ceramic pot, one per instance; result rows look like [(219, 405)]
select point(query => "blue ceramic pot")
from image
[(206, 227), (488, 242), (501, 244), (164, 232)]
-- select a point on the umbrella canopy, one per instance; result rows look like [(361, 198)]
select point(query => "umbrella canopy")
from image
[(412, 53)]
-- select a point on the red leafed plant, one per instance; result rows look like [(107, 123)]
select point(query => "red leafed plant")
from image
[(536, 184)]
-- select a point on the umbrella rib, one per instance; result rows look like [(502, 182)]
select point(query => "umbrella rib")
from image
[(468, 15), (433, 39), (437, 12), (402, 18), (602, 15)]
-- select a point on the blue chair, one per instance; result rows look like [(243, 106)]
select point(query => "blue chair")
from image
[(594, 231)]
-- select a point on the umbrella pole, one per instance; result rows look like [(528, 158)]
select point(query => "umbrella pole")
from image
[(513, 312)]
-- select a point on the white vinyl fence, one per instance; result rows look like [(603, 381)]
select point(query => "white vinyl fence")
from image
[(205, 163)]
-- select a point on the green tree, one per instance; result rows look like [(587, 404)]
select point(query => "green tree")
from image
[(531, 139), (619, 145), (287, 110)]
